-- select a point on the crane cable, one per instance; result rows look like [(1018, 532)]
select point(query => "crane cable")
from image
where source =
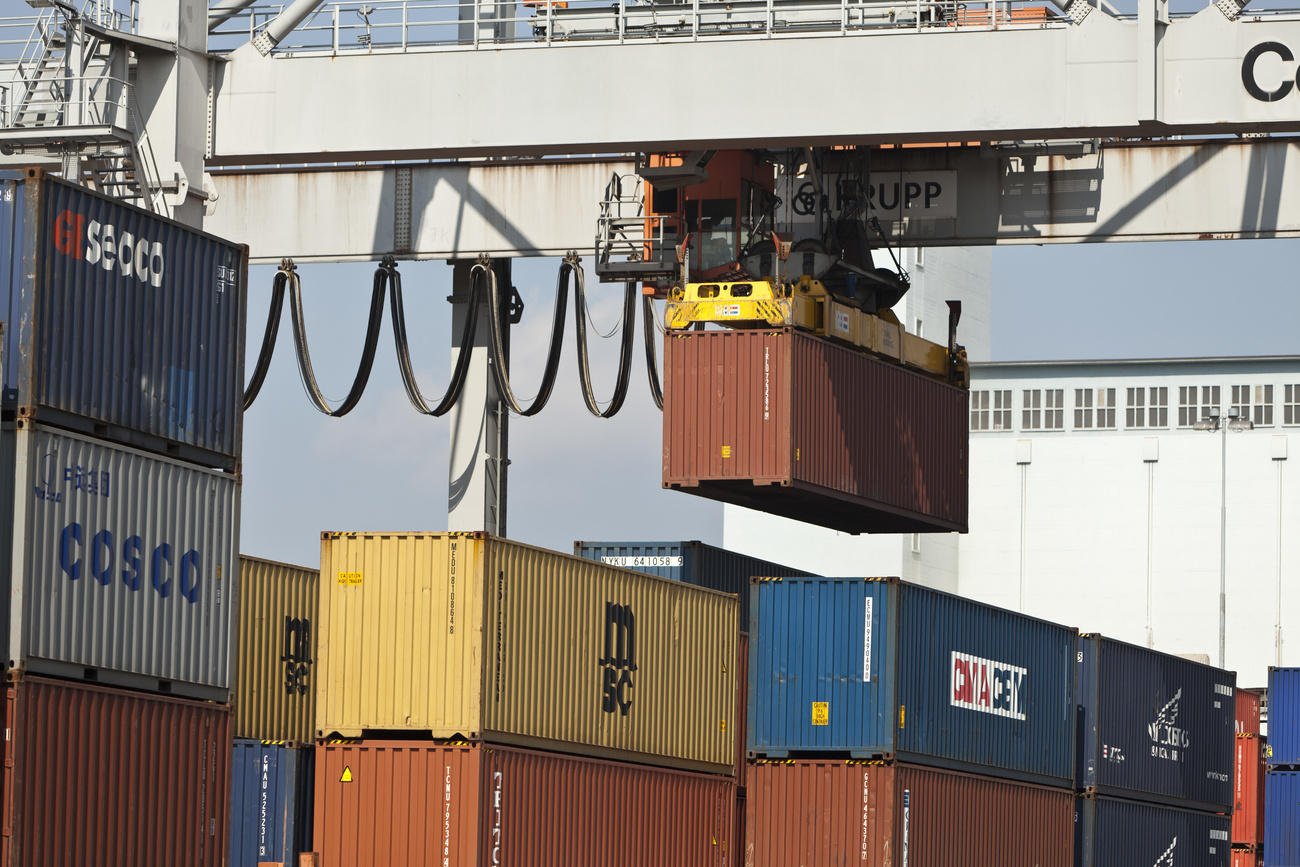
[(481, 274), (268, 337), (651, 328), (624, 354)]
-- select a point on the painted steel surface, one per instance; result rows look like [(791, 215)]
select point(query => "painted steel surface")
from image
[(742, 707), (880, 668), (1284, 717), (113, 778), (799, 426), (121, 323), (271, 795), (118, 561), (466, 635), (693, 562), (1155, 727), (413, 804), (1248, 792), (1247, 858), (1282, 819), (815, 812), (274, 694), (1247, 714), (1110, 832)]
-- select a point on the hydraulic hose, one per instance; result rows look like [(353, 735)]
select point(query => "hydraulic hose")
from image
[(388, 268), (367, 353), (651, 365), (624, 352), (254, 387), (481, 274)]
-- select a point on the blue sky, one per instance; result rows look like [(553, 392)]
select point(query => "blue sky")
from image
[(574, 476)]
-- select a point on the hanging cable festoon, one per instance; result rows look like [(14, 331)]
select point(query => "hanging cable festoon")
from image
[(268, 337), (651, 364)]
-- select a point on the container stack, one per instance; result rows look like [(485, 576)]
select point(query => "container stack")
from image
[(274, 712), (1282, 781), (483, 702), (1248, 783), (890, 723), (120, 431), (1156, 756)]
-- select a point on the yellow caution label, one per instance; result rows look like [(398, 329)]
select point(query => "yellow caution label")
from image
[(821, 713), (724, 726), (726, 451), (902, 715), (347, 774), (350, 579)]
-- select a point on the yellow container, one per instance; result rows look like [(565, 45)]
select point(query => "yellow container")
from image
[(471, 636), (275, 690)]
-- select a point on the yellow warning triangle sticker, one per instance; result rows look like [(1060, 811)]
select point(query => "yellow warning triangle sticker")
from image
[(347, 775)]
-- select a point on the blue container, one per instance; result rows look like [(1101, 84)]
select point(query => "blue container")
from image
[(119, 323), (1110, 832), (1284, 717), (1155, 727), (270, 802), (690, 562), (877, 668), (1282, 819)]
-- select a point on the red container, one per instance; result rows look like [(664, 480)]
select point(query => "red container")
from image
[(1248, 701), (1246, 858), (742, 706), (837, 813), (107, 777), (788, 423), (1248, 792), (407, 804)]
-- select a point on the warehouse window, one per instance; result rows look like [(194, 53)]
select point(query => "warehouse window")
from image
[(1195, 403), (1291, 404), (1241, 401), (1002, 409), (979, 410), (1054, 414), (1106, 408), (1135, 413), (1031, 409), (1263, 405), (1082, 408), (1147, 407)]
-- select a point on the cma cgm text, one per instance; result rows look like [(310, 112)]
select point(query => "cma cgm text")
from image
[(102, 244)]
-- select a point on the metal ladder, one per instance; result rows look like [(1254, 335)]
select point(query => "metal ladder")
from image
[(630, 243)]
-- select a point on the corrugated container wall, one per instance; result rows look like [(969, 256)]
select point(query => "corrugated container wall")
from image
[(271, 796), (119, 322), (1284, 717), (119, 562), (275, 686), (1155, 726), (466, 635), (877, 668), (798, 426), (1248, 792), (692, 562), (1282, 819), (1247, 858), (411, 804), (809, 812), (111, 778), (1112, 832), (742, 706), (1248, 705)]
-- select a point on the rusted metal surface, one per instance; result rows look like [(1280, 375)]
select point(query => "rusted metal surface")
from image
[(113, 778), (1248, 702), (807, 812), (1248, 792), (797, 426), (418, 804)]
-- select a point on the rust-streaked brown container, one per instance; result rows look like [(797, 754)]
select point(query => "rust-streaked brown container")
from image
[(275, 686), (469, 636), (1248, 704), (788, 423), (809, 812), (1248, 792), (113, 778), (416, 804)]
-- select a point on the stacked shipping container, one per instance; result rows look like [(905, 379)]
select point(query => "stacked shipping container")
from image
[(519, 679), (120, 428), (1282, 780), (1248, 779)]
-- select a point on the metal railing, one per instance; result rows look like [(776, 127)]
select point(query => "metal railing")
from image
[(628, 240)]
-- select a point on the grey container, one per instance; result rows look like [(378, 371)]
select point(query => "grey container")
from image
[(118, 566), (1155, 727), (120, 323)]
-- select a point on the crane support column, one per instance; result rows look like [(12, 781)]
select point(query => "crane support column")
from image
[(477, 451)]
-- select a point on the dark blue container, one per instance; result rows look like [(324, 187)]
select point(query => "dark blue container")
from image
[(877, 668), (1284, 718), (1109, 833), (270, 802), (1282, 819), (1155, 727), (691, 562), (119, 323)]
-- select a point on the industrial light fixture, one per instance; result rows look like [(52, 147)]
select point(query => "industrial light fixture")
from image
[(1212, 421)]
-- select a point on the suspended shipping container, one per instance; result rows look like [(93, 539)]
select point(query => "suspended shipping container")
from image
[(1248, 706), (878, 668), (1113, 832), (814, 812), (466, 635), (270, 803), (275, 688), (413, 804), (1155, 726), (120, 323), (118, 565), (113, 778), (1248, 792), (798, 426), (1284, 717), (1282, 818), (692, 562)]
